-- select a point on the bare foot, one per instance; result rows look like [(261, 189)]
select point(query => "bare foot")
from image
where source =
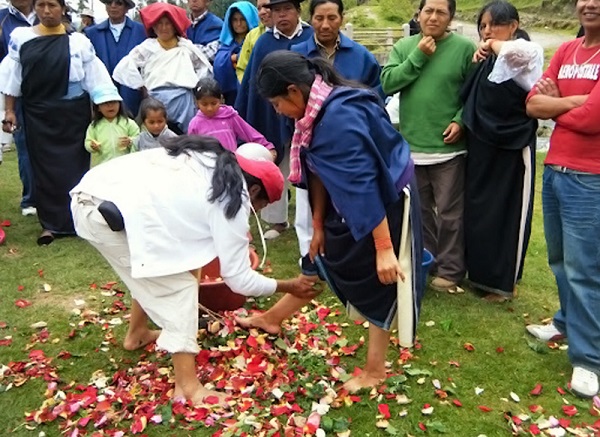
[(364, 380), (258, 322), (139, 339), (201, 396), (177, 395)]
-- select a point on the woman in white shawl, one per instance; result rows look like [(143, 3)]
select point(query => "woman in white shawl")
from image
[(166, 66)]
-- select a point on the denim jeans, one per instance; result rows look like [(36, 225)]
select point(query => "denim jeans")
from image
[(571, 204), (25, 171)]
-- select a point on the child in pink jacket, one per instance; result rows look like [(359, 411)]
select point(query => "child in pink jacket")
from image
[(221, 121)]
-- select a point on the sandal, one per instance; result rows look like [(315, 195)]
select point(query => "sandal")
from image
[(46, 238)]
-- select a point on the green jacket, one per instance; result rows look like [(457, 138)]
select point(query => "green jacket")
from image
[(107, 133), (246, 50)]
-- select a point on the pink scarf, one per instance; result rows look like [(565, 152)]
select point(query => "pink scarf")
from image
[(304, 127)]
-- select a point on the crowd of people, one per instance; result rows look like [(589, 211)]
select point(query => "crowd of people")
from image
[(456, 178)]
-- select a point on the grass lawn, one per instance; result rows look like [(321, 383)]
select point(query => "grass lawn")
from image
[(75, 374)]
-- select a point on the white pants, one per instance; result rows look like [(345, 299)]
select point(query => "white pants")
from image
[(277, 212), (303, 223), (170, 301)]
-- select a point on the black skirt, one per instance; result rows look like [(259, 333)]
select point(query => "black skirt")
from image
[(351, 266)]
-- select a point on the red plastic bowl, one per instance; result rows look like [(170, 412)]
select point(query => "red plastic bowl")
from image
[(216, 295)]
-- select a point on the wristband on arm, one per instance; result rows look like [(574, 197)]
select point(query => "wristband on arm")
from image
[(383, 243)]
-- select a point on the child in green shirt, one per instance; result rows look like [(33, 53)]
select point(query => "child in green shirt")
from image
[(112, 132)]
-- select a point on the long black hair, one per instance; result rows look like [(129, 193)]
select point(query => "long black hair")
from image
[(227, 182), (282, 68), (502, 13)]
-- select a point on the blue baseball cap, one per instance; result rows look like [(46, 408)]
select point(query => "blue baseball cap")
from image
[(105, 93)]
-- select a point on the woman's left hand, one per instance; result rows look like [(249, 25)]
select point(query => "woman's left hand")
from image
[(388, 268), (547, 87)]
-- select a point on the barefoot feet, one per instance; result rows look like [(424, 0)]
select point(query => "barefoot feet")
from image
[(138, 339), (260, 322), (364, 380)]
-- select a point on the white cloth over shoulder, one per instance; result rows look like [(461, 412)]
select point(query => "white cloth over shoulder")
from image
[(520, 60), (85, 67), (171, 226), (150, 65)]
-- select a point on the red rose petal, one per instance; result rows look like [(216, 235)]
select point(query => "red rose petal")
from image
[(536, 408), (469, 347), (484, 408), (384, 410), (569, 410), (534, 430), (457, 402), (22, 303), (537, 390), (565, 423)]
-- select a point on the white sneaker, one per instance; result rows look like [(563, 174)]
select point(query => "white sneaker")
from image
[(6, 147), (29, 210), (584, 383), (545, 332)]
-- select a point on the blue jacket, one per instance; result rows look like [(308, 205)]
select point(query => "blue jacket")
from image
[(224, 70), (111, 52), (352, 61), (207, 30), (360, 157), (250, 13), (256, 110), (8, 23)]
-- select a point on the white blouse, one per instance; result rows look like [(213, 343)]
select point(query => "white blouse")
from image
[(171, 226), (150, 65), (85, 67), (520, 60)]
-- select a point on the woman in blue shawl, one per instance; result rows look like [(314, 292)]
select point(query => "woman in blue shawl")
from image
[(241, 18)]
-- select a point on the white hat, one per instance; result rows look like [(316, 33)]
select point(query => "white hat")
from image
[(254, 151), (87, 12)]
